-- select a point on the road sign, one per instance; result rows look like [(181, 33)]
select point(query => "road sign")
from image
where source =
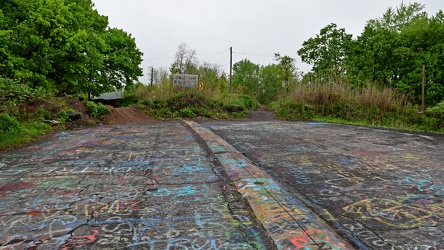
[(185, 81)]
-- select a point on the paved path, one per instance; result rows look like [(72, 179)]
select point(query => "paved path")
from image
[(289, 223), (265, 185), (122, 187), (380, 189)]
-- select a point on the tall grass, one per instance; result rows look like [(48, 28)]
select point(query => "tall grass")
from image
[(371, 96), (166, 90), (341, 102)]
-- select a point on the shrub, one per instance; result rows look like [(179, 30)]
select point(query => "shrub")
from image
[(92, 108), (163, 113), (214, 104), (159, 103), (147, 103), (239, 115), (8, 124), (436, 111), (142, 106), (43, 114), (102, 109), (187, 112), (96, 110), (234, 107), (295, 111), (185, 100), (235, 100), (249, 102)]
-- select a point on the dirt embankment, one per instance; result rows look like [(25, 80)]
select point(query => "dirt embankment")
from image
[(133, 115), (127, 115)]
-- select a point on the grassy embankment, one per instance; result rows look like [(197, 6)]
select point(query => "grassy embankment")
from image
[(165, 102), (369, 106), (26, 113)]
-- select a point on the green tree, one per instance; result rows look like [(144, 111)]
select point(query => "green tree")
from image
[(66, 45), (209, 76), (390, 51), (327, 51), (286, 70), (393, 48), (271, 84), (435, 59), (6, 58), (246, 78)]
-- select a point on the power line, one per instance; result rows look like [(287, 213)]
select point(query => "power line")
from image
[(220, 53), (159, 58), (249, 54), (172, 57), (214, 54)]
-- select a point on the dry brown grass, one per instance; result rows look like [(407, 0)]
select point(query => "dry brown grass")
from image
[(166, 90), (371, 96)]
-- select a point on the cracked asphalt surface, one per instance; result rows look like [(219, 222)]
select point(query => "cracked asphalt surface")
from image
[(150, 186), (379, 189), (165, 186)]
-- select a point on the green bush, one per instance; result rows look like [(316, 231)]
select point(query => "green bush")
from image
[(8, 124), (234, 107), (186, 100), (214, 104), (43, 115), (147, 103), (159, 104), (249, 102), (295, 111), (14, 93), (102, 109), (96, 110), (190, 105), (142, 106), (163, 113), (237, 102), (436, 111), (239, 115), (187, 112), (341, 109), (92, 108)]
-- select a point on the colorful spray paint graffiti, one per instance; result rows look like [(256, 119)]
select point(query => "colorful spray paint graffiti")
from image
[(121, 187), (380, 189), (290, 224)]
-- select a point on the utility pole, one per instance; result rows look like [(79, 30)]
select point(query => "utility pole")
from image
[(231, 68), (423, 89), (152, 76)]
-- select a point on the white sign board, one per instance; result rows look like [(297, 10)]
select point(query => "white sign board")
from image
[(185, 81)]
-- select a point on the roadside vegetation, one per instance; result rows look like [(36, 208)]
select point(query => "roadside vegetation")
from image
[(26, 113), (376, 78), (192, 105), (56, 56), (369, 106)]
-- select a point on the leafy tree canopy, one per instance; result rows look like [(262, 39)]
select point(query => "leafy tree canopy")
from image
[(390, 51), (65, 46)]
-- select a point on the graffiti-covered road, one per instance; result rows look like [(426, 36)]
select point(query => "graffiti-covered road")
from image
[(379, 189), (224, 185), (150, 186)]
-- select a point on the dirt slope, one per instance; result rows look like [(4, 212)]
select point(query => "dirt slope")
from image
[(128, 115)]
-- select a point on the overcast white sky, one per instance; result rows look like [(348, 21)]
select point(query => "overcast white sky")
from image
[(256, 29)]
